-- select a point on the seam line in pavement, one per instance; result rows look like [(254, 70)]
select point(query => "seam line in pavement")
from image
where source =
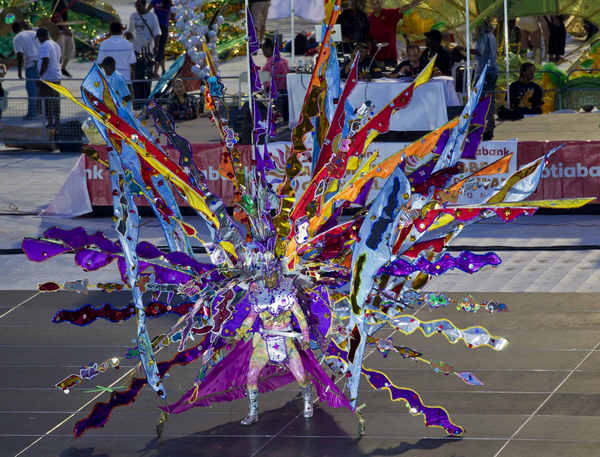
[(546, 400), (19, 305), (338, 380), (61, 423)]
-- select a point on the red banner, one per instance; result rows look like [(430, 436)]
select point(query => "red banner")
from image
[(573, 171), (206, 156)]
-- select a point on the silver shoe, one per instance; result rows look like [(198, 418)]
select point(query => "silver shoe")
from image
[(252, 417), (308, 401)]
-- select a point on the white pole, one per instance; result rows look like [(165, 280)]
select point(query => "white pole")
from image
[(293, 35), (506, 50), (468, 39), (248, 62)]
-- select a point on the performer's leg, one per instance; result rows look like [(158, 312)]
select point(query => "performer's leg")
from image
[(258, 360), (297, 369)]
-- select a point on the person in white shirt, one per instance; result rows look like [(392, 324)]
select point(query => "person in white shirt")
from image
[(49, 69), (26, 47), (145, 28), (120, 49), (146, 33)]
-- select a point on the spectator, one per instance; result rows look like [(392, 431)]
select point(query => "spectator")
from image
[(146, 31), (116, 80), (410, 66), (49, 69), (259, 10), (278, 70), (486, 54), (382, 28), (162, 10), (26, 47), (443, 63), (181, 105), (365, 69), (525, 95), (355, 25), (120, 50)]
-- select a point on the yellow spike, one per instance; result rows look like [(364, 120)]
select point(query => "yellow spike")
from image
[(193, 197)]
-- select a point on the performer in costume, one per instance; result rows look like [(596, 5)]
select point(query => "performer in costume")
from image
[(274, 302)]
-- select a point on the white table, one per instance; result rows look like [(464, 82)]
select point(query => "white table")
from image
[(426, 111)]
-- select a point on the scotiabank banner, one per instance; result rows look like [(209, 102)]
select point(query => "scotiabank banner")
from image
[(573, 171), (487, 153)]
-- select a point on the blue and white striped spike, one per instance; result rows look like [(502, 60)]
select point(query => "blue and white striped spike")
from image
[(127, 222), (96, 84), (454, 146), (368, 255)]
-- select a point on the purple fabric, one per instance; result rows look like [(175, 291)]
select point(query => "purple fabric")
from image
[(423, 173), (474, 138), (91, 259), (101, 411), (434, 416), (253, 43), (466, 261), (78, 238), (227, 381), (254, 77), (319, 318), (276, 60), (40, 250), (360, 200)]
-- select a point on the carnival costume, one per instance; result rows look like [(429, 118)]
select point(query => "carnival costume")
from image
[(297, 279)]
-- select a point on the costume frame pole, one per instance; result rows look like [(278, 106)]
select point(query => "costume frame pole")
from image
[(248, 60), (468, 46), (292, 10), (506, 53)]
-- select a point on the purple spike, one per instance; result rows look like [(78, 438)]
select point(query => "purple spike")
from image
[(253, 43), (474, 138)]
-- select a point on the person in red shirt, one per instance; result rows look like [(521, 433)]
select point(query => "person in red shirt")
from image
[(279, 69), (383, 23)]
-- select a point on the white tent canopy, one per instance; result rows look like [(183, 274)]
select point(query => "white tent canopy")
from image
[(311, 10)]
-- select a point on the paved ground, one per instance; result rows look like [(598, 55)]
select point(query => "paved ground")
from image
[(541, 396)]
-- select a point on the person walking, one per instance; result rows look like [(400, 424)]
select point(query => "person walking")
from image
[(67, 48), (26, 47), (162, 10), (49, 69), (146, 33), (65, 38), (120, 50)]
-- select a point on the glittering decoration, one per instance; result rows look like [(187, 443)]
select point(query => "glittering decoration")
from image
[(298, 289), (87, 314)]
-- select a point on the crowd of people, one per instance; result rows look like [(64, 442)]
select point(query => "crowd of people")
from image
[(373, 37), (131, 56)]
